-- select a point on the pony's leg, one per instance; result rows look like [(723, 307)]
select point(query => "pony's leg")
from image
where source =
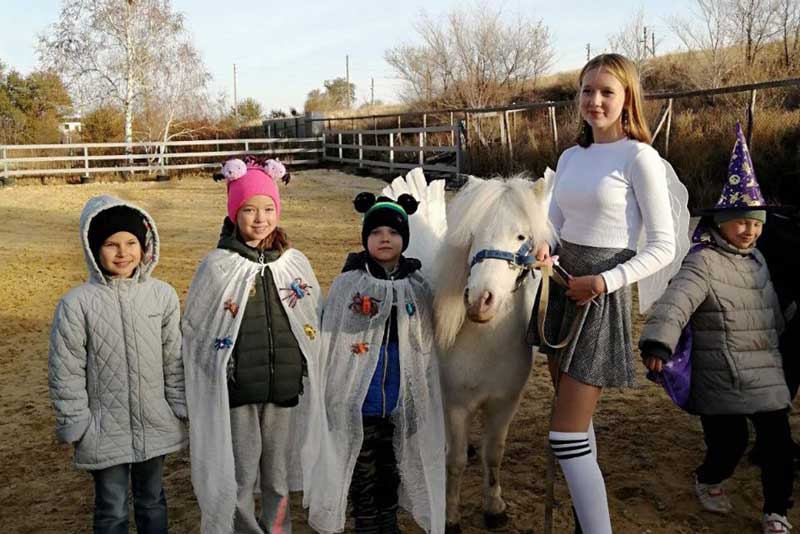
[(456, 421), (499, 414)]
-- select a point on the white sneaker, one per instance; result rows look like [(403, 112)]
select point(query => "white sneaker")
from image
[(776, 524), (713, 497)]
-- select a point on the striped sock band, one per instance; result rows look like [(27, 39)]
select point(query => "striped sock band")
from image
[(567, 445)]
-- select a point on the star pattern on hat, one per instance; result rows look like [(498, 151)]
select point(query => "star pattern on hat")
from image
[(740, 190)]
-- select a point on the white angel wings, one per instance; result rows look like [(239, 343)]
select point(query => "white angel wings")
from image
[(428, 224), (652, 287)]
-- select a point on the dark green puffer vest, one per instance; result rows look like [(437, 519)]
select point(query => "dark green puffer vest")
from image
[(268, 366)]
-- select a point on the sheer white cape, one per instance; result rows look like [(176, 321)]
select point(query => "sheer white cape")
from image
[(336, 431)]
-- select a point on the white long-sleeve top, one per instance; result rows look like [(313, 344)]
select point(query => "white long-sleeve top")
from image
[(605, 195)]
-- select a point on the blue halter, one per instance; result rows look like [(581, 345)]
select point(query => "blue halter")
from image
[(522, 259)]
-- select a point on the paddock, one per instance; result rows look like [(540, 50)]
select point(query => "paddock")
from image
[(647, 447)]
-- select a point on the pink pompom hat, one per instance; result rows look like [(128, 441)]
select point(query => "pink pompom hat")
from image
[(246, 181)]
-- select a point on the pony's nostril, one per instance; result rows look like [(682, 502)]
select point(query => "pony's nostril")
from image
[(487, 298)]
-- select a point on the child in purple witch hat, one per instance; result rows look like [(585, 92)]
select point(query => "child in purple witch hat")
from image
[(724, 293)]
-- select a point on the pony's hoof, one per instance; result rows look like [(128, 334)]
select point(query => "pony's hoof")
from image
[(472, 452), (452, 528), (495, 521)]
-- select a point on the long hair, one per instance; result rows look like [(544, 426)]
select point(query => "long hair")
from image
[(625, 71), (278, 240)]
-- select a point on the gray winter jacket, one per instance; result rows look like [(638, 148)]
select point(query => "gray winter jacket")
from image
[(727, 295), (115, 368)]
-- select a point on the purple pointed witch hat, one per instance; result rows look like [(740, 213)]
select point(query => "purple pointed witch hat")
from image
[(741, 190)]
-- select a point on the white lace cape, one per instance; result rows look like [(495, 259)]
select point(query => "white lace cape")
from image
[(206, 324), (337, 433)]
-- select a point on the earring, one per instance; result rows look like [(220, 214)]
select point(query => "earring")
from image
[(625, 120)]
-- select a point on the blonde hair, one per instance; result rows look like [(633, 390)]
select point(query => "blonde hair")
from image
[(625, 72)]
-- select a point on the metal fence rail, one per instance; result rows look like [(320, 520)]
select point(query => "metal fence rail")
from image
[(152, 157), (394, 136)]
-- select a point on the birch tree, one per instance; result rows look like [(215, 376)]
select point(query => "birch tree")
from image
[(110, 51)]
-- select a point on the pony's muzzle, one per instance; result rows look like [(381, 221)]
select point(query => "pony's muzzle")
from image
[(482, 310)]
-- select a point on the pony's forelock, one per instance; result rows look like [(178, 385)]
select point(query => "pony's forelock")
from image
[(479, 203)]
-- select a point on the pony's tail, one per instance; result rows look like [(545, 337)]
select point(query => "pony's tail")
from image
[(450, 274)]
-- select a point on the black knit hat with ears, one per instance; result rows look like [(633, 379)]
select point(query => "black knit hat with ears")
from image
[(383, 211), (116, 219)]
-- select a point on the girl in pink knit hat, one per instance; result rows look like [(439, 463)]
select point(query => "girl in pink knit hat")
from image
[(250, 346)]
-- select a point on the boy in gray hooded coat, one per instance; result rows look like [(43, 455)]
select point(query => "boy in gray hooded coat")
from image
[(723, 292), (115, 368)]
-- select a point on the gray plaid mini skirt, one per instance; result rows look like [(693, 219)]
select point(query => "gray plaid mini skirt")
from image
[(601, 354)]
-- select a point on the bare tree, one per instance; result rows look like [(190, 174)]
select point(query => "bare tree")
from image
[(474, 57), (753, 25), (788, 23), (177, 96), (110, 51), (707, 37), (634, 42)]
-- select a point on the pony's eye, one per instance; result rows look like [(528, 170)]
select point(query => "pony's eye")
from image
[(521, 237)]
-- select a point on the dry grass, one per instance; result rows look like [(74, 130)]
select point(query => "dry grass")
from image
[(647, 447)]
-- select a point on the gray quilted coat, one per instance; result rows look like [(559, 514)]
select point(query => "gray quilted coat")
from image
[(115, 368), (727, 295)]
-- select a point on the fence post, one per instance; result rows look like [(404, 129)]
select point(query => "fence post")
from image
[(360, 150), (452, 132), (421, 145), (507, 140), (246, 146), (668, 127), (466, 129), (86, 159), (341, 156), (391, 150), (553, 127), (5, 162), (424, 134), (751, 110), (503, 136), (458, 149), (324, 149)]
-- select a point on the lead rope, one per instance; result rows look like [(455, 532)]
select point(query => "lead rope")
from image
[(547, 273)]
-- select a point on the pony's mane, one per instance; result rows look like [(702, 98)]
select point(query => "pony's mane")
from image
[(479, 204)]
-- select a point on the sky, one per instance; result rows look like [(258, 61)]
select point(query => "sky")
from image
[(283, 50)]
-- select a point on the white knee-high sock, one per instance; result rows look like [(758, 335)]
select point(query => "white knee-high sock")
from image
[(585, 481), (592, 439)]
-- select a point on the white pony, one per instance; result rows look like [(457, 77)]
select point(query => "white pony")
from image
[(481, 312)]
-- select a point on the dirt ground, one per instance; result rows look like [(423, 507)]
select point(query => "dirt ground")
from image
[(647, 447)]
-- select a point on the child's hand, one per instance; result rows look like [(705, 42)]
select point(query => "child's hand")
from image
[(653, 363), (583, 289)]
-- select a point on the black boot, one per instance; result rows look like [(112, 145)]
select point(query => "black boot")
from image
[(388, 521), (367, 525)]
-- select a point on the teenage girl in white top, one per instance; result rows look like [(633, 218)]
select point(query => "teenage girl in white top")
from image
[(608, 189)]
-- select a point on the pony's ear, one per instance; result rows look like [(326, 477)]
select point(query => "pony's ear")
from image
[(218, 177), (408, 203), (364, 201)]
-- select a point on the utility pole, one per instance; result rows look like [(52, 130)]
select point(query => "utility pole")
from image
[(588, 51), (235, 101), (649, 49), (372, 92), (347, 74)]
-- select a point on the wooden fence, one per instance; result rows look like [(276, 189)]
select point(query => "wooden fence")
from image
[(393, 147), (504, 115), (85, 159)]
